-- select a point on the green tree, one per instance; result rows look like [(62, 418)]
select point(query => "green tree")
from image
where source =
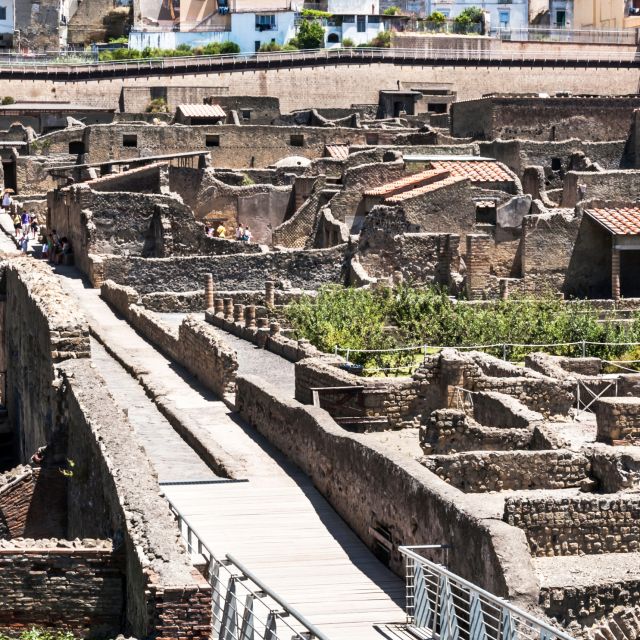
[(310, 34), (391, 11)]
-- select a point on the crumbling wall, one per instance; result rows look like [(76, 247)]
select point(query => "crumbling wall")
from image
[(34, 505), (196, 345), (576, 525), (304, 269), (600, 185), (618, 420), (476, 472), (42, 329), (61, 585)]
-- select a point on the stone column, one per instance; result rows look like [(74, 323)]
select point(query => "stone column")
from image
[(208, 291), (615, 272), (263, 323), (274, 328), (504, 289), (218, 306), (238, 313), (270, 293), (228, 309), (250, 316)]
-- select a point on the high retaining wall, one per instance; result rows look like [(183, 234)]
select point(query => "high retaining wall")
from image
[(340, 86), (363, 480), (85, 597)]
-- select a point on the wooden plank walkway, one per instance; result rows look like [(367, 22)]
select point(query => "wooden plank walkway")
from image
[(276, 523), (292, 539)]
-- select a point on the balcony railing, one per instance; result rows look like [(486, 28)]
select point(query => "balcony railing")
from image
[(578, 36)]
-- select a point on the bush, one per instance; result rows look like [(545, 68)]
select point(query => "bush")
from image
[(229, 47), (8, 100), (310, 35), (391, 11), (314, 14), (407, 316), (290, 46), (438, 17), (269, 46), (211, 49), (467, 18), (382, 40), (42, 634), (348, 43), (157, 105), (120, 40)]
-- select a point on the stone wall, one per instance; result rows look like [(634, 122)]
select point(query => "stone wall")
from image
[(601, 185), (363, 480), (555, 118), (153, 178), (42, 328), (516, 470), (115, 494), (447, 431), (304, 269), (196, 345), (332, 85), (34, 505), (230, 146), (63, 586), (618, 420), (576, 525)]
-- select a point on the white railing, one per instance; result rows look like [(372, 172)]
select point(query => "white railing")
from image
[(55, 62), (441, 604), (578, 36), (243, 607)]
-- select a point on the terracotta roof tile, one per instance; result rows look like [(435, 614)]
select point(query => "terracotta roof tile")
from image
[(622, 221), (338, 151), (475, 170), (427, 188), (408, 182)]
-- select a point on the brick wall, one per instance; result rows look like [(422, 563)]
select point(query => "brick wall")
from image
[(576, 525), (68, 586), (516, 470), (618, 419), (34, 505)]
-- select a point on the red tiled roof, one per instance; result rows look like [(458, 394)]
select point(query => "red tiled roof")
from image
[(403, 184), (475, 170), (427, 188), (338, 151), (202, 110), (623, 221)]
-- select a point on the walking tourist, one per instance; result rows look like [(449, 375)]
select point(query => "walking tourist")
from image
[(17, 223), (246, 237), (239, 232), (221, 232)]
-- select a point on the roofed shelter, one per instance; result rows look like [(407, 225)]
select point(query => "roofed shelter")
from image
[(623, 225), (195, 114)]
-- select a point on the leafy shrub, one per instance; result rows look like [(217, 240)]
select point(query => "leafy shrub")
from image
[(120, 40), (42, 634), (384, 319), (467, 18), (392, 11), (8, 100), (229, 47), (348, 43), (382, 40), (310, 35), (314, 14), (270, 46), (438, 17), (157, 105)]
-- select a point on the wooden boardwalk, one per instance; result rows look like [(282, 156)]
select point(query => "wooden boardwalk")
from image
[(292, 539), (275, 523)]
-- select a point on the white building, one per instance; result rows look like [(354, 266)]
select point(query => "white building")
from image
[(7, 22), (511, 14)]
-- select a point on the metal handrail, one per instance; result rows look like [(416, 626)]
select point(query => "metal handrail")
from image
[(195, 544), (461, 595), (326, 54)]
